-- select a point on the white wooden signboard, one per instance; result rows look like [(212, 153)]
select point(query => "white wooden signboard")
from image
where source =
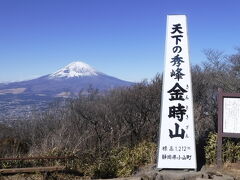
[(231, 115), (177, 140)]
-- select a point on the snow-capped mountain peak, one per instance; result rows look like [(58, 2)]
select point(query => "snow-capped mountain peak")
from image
[(74, 69)]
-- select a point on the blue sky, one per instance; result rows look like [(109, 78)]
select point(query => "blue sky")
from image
[(122, 38)]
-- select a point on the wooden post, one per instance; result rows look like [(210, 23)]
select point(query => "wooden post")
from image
[(220, 128)]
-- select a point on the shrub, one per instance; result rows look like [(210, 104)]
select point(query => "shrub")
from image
[(130, 160), (122, 162), (230, 149), (211, 148)]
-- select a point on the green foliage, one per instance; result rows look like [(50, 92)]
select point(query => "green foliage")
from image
[(130, 160), (211, 148), (122, 162), (230, 149)]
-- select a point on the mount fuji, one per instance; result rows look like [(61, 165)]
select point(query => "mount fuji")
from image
[(66, 82)]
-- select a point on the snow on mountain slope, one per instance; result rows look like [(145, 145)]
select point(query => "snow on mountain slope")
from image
[(75, 69)]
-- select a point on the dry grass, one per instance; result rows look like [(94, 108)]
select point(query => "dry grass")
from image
[(231, 169)]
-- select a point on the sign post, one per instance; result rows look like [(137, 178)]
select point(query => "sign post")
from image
[(228, 119), (176, 148)]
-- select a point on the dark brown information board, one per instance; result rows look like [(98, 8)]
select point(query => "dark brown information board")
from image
[(228, 110)]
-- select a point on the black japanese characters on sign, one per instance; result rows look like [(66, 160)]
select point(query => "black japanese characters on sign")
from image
[(177, 134), (176, 149), (177, 93), (176, 28), (177, 74), (177, 111), (177, 60)]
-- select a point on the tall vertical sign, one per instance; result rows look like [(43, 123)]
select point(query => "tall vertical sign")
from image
[(177, 140)]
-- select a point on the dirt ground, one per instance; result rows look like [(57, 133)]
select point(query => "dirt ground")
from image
[(232, 169)]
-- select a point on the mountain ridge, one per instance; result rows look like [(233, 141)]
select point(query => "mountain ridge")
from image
[(66, 82), (76, 76)]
